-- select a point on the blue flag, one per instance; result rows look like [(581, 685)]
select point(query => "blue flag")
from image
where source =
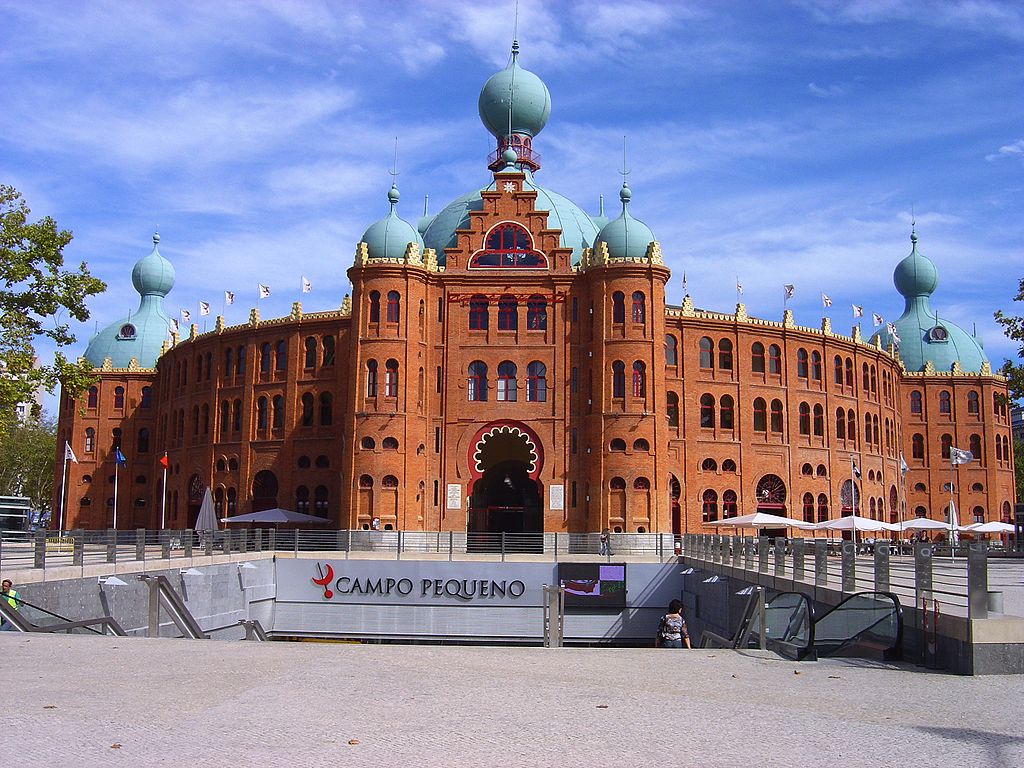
[(119, 457)]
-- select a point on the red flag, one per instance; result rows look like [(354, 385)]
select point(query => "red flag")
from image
[(164, 462)]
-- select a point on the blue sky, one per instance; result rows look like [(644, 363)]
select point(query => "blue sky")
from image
[(776, 142)]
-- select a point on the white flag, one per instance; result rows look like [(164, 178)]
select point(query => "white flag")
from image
[(904, 468), (684, 282), (891, 327), (957, 456), (306, 285), (229, 297), (876, 319), (826, 301), (186, 316), (856, 470), (789, 289), (69, 455), (204, 307), (174, 325), (264, 290), (858, 311), (739, 287)]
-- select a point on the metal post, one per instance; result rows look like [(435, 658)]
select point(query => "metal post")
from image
[(503, 546), (820, 563), (154, 607), (186, 540), (737, 550), (398, 549), (798, 559), (140, 543), (554, 616), (881, 567), (111, 546), (780, 557), (208, 543), (272, 540), (39, 550), (977, 581), (922, 570), (165, 545), (848, 582), (748, 553), (762, 554), (451, 544), (78, 555)]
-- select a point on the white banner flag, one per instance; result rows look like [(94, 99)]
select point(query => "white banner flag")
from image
[(264, 290), (69, 455), (858, 311), (186, 316), (876, 319), (789, 289), (229, 297), (957, 456), (826, 301), (204, 307), (306, 285), (174, 325)]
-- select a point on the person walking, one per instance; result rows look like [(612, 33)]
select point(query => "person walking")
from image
[(606, 543), (672, 628), (11, 595)]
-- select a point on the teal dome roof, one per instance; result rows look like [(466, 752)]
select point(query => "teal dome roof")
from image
[(425, 219), (600, 220), (626, 237), (578, 230), (389, 237), (922, 335), (530, 99), (140, 335)]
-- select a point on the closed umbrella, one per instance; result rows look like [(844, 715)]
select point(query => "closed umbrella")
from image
[(207, 521)]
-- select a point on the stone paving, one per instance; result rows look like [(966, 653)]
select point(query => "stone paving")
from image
[(105, 701)]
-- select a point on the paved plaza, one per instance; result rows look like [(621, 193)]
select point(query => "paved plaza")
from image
[(98, 701)]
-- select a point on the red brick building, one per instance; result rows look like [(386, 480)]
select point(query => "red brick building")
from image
[(510, 364)]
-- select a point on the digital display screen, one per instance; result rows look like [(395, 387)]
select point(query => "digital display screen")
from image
[(593, 585)]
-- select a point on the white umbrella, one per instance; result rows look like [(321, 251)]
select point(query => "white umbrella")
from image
[(923, 524), (993, 527), (761, 520), (207, 521), (855, 522)]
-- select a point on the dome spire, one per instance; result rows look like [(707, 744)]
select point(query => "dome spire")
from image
[(514, 107), (393, 192), (624, 194)]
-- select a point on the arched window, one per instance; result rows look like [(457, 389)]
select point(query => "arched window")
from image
[(801, 363), (639, 379), (394, 307), (807, 470), (821, 471), (867, 428), (365, 481), (389, 444), (618, 379), (671, 350), (280, 356), (618, 445), (508, 313), (709, 465), (508, 245), (816, 366), (536, 313), (199, 368), (278, 412), (204, 412), (760, 415), (840, 423), (641, 484), (707, 348), (729, 466), (805, 419), (757, 357), (944, 402), (617, 484), (225, 416), (478, 313), (851, 425), (371, 378), (320, 503), (976, 449), (777, 416), (672, 409), (326, 414), (302, 500), (507, 382), (391, 378), (729, 504), (865, 377), (147, 398), (367, 443), (195, 419), (536, 382), (236, 415), (849, 372), (915, 402), (328, 344), (639, 307), (917, 446), (93, 397), (240, 363), (309, 361), (374, 306), (837, 363), (819, 421), (229, 355), (265, 357), (476, 383), (709, 506), (707, 411), (261, 413), (618, 307), (822, 507), (119, 397), (774, 359), (725, 354), (142, 443), (640, 445), (973, 404), (725, 412), (947, 443), (808, 508), (306, 419)]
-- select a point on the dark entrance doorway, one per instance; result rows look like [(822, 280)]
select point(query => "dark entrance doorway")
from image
[(506, 504)]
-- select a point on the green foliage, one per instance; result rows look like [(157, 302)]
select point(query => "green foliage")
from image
[(27, 453), (1018, 468), (1013, 327), (38, 296)]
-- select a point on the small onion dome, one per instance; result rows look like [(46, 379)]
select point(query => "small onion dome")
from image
[(915, 275), (600, 220), (153, 275), (389, 237), (626, 237), (530, 100), (425, 219)]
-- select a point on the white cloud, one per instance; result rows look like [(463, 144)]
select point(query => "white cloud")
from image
[(1016, 149), (826, 92)]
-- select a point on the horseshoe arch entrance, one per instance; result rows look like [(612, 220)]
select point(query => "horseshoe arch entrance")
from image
[(506, 499)]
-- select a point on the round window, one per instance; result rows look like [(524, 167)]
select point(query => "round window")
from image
[(127, 331)]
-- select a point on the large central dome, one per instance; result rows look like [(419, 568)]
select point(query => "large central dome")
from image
[(518, 91)]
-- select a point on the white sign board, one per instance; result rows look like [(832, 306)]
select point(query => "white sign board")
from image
[(454, 496), (556, 497)]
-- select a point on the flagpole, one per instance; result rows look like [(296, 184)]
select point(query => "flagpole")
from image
[(63, 484), (163, 497), (853, 501), (116, 464), (952, 486)]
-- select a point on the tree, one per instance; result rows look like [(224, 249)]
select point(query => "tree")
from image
[(26, 460), (1018, 467), (36, 291), (1013, 327)]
